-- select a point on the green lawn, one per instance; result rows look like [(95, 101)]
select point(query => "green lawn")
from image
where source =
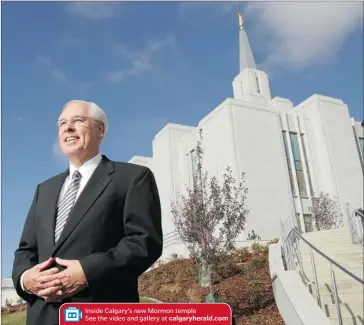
[(19, 318), (14, 319)]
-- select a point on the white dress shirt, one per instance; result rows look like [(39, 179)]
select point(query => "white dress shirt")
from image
[(86, 171)]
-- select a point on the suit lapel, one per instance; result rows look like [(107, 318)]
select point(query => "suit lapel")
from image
[(94, 188), (50, 208)]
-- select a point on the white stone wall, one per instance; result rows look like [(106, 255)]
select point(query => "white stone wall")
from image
[(8, 292), (261, 156), (143, 161), (246, 134), (170, 167), (332, 145)]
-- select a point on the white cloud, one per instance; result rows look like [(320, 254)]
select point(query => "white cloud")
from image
[(56, 149), (294, 35), (55, 73), (15, 118), (94, 10), (86, 85), (58, 155), (211, 8), (43, 60), (71, 41), (134, 135), (140, 61), (59, 76), (304, 34)]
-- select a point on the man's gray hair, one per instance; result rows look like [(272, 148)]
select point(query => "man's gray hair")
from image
[(94, 111)]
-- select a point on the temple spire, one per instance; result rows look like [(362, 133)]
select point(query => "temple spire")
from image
[(246, 58), (240, 19)]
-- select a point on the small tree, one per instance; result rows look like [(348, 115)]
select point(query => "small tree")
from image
[(210, 216), (326, 212), (253, 236), (8, 302)]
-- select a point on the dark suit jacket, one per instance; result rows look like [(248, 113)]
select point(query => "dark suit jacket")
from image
[(114, 230)]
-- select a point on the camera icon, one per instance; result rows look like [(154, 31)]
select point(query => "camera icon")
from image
[(72, 314)]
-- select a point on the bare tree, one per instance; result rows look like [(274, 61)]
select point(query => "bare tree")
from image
[(326, 212), (211, 215)]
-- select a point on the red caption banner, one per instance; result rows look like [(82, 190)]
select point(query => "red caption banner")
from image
[(145, 313)]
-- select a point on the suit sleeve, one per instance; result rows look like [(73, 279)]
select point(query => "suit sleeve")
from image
[(143, 241), (26, 255)]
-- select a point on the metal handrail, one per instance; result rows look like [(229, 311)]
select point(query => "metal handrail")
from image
[(291, 252), (170, 233), (169, 236), (325, 256), (356, 225), (359, 212)]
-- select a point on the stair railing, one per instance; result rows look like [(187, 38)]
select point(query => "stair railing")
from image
[(171, 238), (356, 225), (291, 237)]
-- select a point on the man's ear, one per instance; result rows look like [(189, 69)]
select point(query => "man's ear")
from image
[(101, 130)]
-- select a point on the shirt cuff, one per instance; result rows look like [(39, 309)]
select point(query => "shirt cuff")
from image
[(22, 282)]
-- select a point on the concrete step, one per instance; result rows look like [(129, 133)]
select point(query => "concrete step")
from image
[(337, 254), (341, 260), (344, 295), (318, 234), (335, 238), (350, 302), (326, 277), (324, 273), (334, 252), (337, 244), (328, 232), (347, 259), (350, 298), (346, 310), (346, 239), (327, 237), (353, 267), (346, 321), (327, 243), (325, 264), (333, 248), (342, 286)]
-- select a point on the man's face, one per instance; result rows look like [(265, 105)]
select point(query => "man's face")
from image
[(79, 135)]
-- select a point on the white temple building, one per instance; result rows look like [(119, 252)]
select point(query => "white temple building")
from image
[(8, 293), (287, 153)]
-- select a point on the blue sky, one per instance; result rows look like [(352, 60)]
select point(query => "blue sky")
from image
[(147, 64)]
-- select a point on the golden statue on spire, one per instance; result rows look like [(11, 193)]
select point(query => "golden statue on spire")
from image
[(240, 18)]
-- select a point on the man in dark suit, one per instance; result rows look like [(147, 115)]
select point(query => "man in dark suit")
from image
[(92, 230)]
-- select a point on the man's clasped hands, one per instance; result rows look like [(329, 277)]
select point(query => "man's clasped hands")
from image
[(53, 284)]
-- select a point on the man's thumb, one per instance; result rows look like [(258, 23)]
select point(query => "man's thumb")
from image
[(45, 264), (63, 262)]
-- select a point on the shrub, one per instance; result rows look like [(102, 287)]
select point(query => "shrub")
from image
[(257, 263)]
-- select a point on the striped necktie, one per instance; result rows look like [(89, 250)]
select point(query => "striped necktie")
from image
[(66, 204)]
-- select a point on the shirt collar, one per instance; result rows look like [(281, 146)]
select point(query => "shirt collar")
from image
[(88, 167)]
